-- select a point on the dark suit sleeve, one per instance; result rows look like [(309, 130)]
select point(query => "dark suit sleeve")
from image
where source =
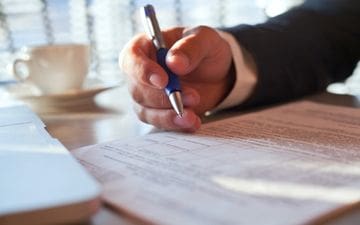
[(303, 50)]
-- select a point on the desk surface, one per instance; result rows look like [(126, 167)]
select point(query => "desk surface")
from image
[(110, 117), (106, 118)]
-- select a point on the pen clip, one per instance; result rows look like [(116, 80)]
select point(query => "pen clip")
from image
[(153, 27)]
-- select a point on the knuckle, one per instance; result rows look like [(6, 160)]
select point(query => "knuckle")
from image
[(142, 70), (140, 111), (145, 67), (161, 99), (148, 97), (204, 30), (131, 51), (138, 69), (163, 120), (126, 51), (136, 94)]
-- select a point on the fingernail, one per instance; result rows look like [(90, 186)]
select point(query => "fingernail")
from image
[(178, 58), (155, 80)]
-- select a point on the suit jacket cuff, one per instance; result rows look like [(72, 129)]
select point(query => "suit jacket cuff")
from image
[(245, 80)]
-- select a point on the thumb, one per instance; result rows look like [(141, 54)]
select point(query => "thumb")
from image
[(187, 53)]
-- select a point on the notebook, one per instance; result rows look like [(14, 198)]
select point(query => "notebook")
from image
[(40, 181)]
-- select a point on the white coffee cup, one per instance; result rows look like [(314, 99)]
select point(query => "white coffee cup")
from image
[(55, 68)]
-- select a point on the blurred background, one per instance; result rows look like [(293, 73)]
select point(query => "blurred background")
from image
[(108, 24)]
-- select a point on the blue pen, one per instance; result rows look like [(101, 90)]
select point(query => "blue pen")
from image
[(172, 89)]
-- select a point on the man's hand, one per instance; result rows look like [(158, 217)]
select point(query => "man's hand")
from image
[(202, 60)]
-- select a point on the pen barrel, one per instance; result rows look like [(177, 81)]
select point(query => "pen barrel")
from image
[(173, 83)]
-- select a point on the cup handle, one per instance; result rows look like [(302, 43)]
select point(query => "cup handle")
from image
[(20, 75)]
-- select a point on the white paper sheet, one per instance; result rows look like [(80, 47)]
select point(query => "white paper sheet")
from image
[(285, 165)]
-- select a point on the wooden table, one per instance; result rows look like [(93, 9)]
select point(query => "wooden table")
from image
[(110, 117)]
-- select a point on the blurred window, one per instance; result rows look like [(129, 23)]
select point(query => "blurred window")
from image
[(108, 24), (105, 24)]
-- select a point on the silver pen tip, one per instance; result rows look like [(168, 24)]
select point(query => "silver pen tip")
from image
[(176, 103)]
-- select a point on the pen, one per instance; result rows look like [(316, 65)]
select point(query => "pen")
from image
[(172, 89)]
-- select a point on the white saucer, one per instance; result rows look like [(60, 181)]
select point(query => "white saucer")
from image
[(40, 102)]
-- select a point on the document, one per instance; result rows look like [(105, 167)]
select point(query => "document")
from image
[(287, 165)]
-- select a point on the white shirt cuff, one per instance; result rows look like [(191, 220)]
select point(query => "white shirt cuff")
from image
[(245, 78)]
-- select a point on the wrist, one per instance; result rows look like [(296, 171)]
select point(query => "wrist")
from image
[(242, 76)]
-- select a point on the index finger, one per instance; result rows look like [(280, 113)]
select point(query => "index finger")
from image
[(137, 60)]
